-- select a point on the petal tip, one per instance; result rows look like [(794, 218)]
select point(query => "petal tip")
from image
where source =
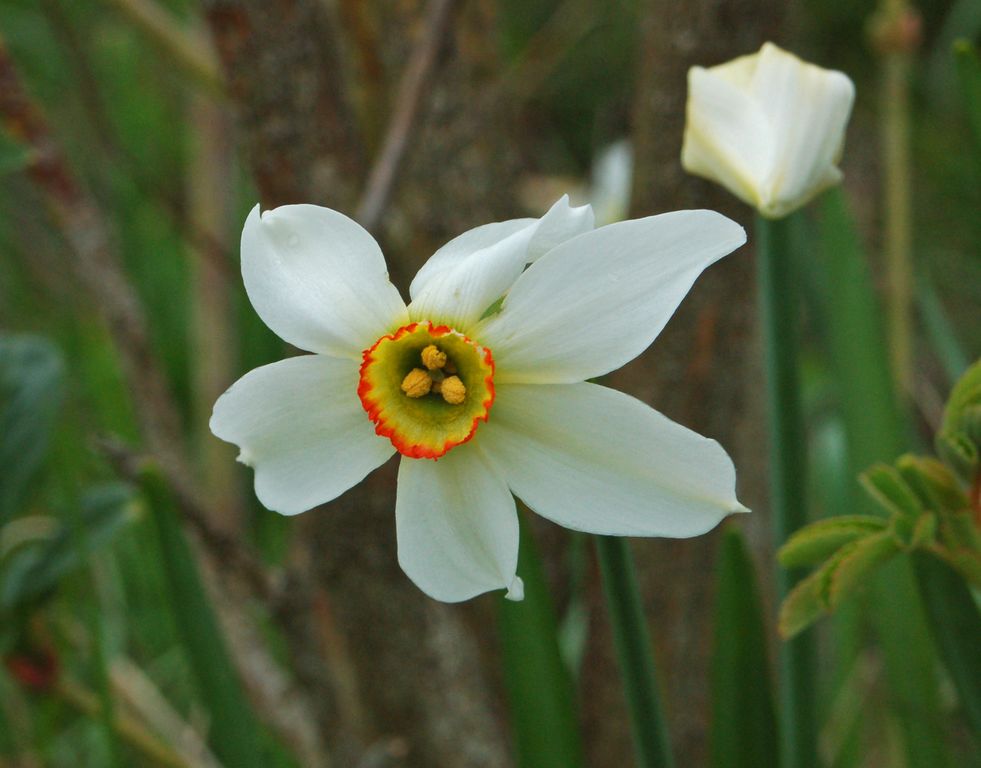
[(516, 591)]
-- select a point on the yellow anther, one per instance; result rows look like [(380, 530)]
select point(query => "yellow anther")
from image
[(433, 358), (417, 383), (453, 390)]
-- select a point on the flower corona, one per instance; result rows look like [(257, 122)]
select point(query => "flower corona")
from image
[(426, 388)]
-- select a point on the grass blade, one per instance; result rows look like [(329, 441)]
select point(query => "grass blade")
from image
[(968, 66), (540, 690), (875, 430), (744, 728), (634, 653), (956, 626), (943, 338), (31, 380), (234, 731)]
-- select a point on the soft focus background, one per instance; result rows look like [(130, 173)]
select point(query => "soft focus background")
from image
[(167, 619)]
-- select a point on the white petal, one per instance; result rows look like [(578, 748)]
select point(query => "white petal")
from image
[(599, 300), (560, 223), (463, 246), (318, 279), (594, 459), (473, 271), (300, 424), (727, 137), (807, 108), (457, 526)]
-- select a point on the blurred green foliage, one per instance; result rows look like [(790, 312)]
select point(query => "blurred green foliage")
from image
[(120, 108)]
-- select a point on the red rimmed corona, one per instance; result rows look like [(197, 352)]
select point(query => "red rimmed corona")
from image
[(426, 387)]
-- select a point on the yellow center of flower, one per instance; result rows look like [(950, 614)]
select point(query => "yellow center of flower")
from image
[(426, 388)]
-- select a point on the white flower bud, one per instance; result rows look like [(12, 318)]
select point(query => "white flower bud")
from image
[(768, 127)]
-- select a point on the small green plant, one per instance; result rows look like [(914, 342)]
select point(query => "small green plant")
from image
[(930, 504)]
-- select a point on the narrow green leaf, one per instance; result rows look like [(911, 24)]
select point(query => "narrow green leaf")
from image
[(856, 563), (33, 571), (540, 692), (956, 626), (14, 156), (634, 653), (960, 454), (925, 531), (824, 589), (884, 484), (818, 541), (969, 77), (81, 538), (876, 429), (934, 484), (744, 728), (31, 381), (806, 602), (234, 731), (942, 336), (971, 422), (966, 392)]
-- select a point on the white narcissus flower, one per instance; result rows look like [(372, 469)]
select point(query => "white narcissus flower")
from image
[(768, 127), (495, 392)]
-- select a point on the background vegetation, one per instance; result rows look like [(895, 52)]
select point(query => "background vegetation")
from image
[(152, 613)]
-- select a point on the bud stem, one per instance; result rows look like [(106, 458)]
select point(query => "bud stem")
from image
[(788, 483)]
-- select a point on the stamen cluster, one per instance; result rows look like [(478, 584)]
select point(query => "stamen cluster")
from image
[(433, 379)]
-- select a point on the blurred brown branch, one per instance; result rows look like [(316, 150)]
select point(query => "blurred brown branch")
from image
[(97, 266), (412, 86)]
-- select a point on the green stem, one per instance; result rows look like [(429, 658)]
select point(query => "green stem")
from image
[(634, 653), (788, 461)]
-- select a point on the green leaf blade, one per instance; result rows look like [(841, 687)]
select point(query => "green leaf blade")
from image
[(539, 686), (744, 727), (818, 541)]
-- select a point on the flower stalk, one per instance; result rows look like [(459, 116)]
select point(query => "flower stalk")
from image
[(634, 653), (788, 498), (895, 33)]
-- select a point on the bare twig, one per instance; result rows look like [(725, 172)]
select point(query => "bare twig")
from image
[(189, 49), (381, 182), (210, 204), (225, 546), (140, 692), (895, 33), (116, 157), (368, 88), (128, 728)]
